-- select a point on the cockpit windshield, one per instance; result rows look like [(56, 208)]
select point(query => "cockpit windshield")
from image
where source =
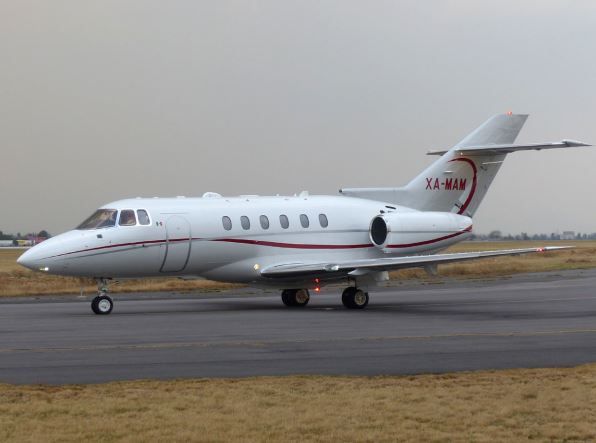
[(102, 218)]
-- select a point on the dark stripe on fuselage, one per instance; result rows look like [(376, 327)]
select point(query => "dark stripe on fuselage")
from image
[(266, 243), (145, 242), (291, 245), (225, 240), (428, 242)]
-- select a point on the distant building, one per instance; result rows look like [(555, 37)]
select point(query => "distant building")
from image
[(6, 243), (568, 235), (36, 240)]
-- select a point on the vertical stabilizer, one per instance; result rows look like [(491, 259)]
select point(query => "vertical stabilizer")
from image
[(501, 129), (457, 182)]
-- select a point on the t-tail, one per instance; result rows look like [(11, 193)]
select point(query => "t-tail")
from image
[(458, 181)]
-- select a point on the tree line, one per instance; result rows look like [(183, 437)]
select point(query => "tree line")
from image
[(18, 236), (497, 235)]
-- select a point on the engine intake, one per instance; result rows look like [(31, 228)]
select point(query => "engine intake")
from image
[(378, 230)]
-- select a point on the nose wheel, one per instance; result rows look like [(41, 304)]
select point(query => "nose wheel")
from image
[(103, 303), (354, 298)]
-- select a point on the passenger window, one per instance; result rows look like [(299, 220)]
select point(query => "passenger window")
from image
[(127, 218), (323, 220), (283, 221), (304, 220), (143, 217), (264, 222), (245, 222), (226, 222)]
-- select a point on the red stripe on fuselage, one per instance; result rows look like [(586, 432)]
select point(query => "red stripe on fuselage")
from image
[(428, 242), (227, 240), (291, 245), (144, 242), (265, 243), (115, 246)]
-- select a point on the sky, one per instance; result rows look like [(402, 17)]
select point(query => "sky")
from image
[(103, 100)]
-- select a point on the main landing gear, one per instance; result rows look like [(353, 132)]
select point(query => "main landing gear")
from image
[(295, 297), (102, 304), (352, 298)]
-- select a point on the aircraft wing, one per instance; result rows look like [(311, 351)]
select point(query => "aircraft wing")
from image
[(331, 269), (509, 148)]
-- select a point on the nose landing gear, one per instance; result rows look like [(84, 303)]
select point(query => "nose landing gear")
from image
[(103, 303)]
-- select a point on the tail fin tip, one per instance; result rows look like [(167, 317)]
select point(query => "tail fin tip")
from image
[(499, 129)]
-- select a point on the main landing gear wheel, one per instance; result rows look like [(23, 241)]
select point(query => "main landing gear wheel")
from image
[(354, 298), (102, 305), (295, 297)]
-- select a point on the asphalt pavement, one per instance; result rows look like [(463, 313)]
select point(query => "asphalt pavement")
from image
[(532, 320)]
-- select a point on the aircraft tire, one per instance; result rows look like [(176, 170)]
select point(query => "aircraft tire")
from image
[(301, 298), (295, 297), (287, 297), (347, 295), (354, 298), (102, 305)]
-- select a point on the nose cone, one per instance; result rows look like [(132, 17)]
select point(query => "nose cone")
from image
[(31, 259), (42, 256)]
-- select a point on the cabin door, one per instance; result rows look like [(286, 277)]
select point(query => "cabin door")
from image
[(178, 241)]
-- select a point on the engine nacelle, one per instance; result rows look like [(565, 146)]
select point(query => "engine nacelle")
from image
[(411, 232)]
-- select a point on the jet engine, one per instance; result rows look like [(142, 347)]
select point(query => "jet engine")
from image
[(412, 232)]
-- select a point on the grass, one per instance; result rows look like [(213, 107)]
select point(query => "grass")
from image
[(488, 406), (582, 256), (16, 280)]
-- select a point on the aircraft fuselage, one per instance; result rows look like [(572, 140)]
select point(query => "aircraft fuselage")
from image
[(191, 237)]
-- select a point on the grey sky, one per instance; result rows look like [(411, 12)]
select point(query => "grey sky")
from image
[(101, 100)]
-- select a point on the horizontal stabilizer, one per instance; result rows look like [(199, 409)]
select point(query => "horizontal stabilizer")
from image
[(509, 148), (459, 179), (295, 270)]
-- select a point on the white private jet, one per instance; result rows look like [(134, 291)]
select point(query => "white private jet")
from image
[(297, 243)]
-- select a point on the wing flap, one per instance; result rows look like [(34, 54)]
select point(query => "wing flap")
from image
[(292, 270)]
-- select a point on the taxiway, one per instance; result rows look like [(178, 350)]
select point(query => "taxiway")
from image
[(532, 320)]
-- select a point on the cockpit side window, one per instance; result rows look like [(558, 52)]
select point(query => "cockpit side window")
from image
[(143, 217), (127, 218), (102, 218)]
